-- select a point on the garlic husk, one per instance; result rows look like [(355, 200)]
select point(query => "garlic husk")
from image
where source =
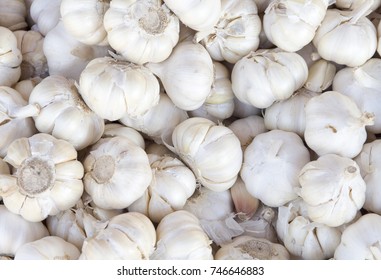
[(46, 177), (271, 166), (235, 34), (335, 124), (320, 75), (117, 129), (333, 189), (48, 248), (13, 14), (212, 151), (45, 14), (64, 114), (16, 231), (171, 185), (362, 84), (161, 118), (247, 128), (117, 172), (289, 115), (25, 87), (361, 240), (261, 86), (87, 14), (251, 248), (180, 237), (127, 88), (128, 236), (141, 31), (243, 110)]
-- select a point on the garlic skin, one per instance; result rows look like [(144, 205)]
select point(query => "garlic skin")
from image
[(320, 75), (46, 177), (16, 231), (141, 31), (45, 14), (291, 24), (63, 113), (212, 151), (171, 185), (331, 120), (13, 14), (198, 15), (10, 58), (354, 4), (333, 189), (250, 248), (117, 172), (271, 166), (235, 34), (187, 75), (117, 129), (361, 240), (25, 87), (261, 87), (87, 14), (180, 237), (127, 88), (4, 167), (128, 236), (47, 248)]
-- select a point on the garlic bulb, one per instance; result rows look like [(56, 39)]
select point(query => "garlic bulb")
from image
[(127, 88), (361, 240), (347, 37), (334, 124), (362, 84), (63, 113), (16, 231), (353, 4), (212, 151), (289, 115), (46, 177), (128, 236), (117, 172), (4, 167), (198, 15), (333, 189), (47, 248), (160, 119), (271, 166), (10, 58), (25, 87), (180, 237), (250, 248), (187, 75), (45, 14), (320, 75), (141, 31), (117, 129), (243, 110), (235, 34), (291, 24), (13, 14), (255, 77), (87, 14), (171, 185), (15, 118)]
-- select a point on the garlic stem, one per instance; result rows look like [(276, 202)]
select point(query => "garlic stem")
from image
[(367, 118), (30, 110), (361, 11), (376, 250)]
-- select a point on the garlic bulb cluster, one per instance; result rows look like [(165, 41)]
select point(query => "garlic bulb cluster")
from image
[(320, 75), (46, 177), (128, 236), (212, 151), (271, 166), (127, 88), (45, 14), (255, 77), (117, 129), (141, 31), (13, 14), (180, 237), (63, 113)]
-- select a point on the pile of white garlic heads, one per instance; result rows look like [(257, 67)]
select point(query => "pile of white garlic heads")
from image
[(190, 130)]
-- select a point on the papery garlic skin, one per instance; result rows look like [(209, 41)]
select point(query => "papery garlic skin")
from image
[(25, 87), (45, 14), (333, 189), (212, 151), (180, 237), (141, 31), (127, 88), (117, 129), (361, 240), (271, 166), (47, 248), (46, 177), (64, 114), (255, 77), (128, 236), (320, 75), (117, 172), (335, 124), (87, 14), (13, 14)]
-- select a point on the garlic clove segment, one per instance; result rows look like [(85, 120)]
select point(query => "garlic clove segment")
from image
[(320, 75)]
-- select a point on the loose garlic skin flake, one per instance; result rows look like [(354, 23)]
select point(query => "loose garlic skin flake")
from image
[(46, 177)]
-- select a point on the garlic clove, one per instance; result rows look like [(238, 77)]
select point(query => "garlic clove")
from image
[(18, 152)]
